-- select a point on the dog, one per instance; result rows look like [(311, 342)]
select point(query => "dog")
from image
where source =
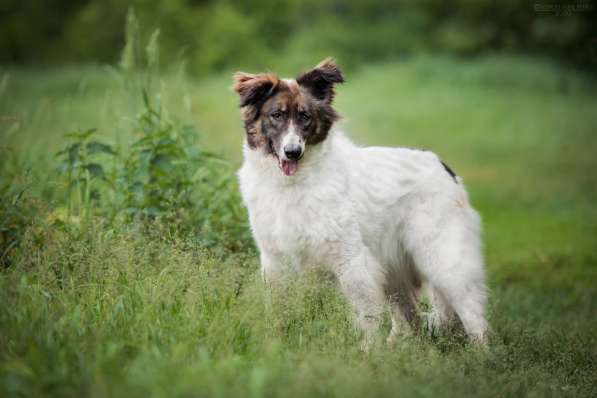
[(385, 221)]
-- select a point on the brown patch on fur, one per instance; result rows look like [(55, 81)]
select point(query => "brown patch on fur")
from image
[(253, 91), (252, 88), (460, 203)]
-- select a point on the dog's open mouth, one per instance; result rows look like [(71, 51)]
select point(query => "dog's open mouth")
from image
[(288, 167)]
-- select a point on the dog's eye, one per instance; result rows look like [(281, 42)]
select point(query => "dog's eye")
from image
[(305, 116), (277, 115)]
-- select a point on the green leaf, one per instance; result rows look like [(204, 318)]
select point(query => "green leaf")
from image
[(137, 191), (96, 170), (72, 151), (146, 99), (146, 140), (81, 135), (161, 160), (61, 152), (98, 147), (63, 167), (95, 195)]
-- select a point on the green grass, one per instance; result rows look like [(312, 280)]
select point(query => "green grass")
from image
[(135, 309)]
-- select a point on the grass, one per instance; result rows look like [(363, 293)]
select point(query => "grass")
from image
[(136, 309)]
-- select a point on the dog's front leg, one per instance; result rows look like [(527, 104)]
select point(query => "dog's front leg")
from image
[(276, 268), (270, 269), (272, 276), (357, 278)]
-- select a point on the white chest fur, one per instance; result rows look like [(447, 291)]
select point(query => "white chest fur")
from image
[(305, 217)]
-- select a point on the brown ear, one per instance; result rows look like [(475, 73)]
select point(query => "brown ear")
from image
[(321, 79), (254, 88)]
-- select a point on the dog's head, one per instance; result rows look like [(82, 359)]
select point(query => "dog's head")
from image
[(284, 117)]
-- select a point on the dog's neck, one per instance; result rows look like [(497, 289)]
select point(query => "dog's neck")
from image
[(266, 165)]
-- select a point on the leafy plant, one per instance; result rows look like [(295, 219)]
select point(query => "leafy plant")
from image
[(163, 176), (81, 163), (159, 166)]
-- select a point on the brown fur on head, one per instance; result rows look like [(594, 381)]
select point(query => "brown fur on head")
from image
[(271, 107), (253, 90), (251, 87)]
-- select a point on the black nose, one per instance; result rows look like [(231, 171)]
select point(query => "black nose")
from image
[(293, 151)]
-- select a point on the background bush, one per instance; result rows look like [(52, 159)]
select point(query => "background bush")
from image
[(213, 35)]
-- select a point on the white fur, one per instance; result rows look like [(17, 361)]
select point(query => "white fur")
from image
[(291, 138), (382, 219)]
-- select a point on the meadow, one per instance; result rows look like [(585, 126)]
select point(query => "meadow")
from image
[(112, 285)]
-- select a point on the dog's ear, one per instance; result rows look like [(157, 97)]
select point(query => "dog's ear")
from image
[(321, 79), (254, 88)]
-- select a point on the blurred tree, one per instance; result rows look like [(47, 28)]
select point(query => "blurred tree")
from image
[(241, 33), (33, 31)]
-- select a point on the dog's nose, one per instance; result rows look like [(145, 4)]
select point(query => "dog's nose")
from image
[(293, 151)]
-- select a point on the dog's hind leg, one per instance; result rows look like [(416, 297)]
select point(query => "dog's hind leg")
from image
[(467, 297), (403, 313), (402, 288), (441, 314), (451, 261)]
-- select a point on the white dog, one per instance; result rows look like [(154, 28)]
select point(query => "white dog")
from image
[(384, 220)]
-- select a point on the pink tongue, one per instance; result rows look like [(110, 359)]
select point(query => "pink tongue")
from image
[(289, 167)]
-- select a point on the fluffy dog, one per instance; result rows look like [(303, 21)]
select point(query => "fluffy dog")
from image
[(383, 220)]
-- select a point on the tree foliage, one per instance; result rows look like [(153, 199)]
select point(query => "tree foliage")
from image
[(220, 34)]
